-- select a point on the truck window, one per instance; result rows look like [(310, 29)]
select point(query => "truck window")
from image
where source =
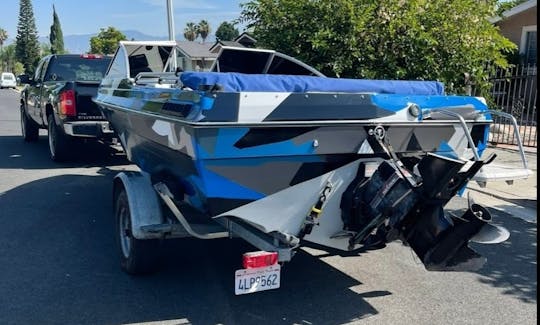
[(77, 68), (38, 74)]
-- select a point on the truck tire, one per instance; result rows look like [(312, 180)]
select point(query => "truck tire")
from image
[(29, 129), (137, 257), (59, 143)]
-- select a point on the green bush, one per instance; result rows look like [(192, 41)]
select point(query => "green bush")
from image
[(393, 39)]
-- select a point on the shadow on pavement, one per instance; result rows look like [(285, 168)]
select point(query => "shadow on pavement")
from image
[(59, 265), (15, 153), (512, 265)]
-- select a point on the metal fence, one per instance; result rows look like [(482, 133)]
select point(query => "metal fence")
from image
[(514, 92)]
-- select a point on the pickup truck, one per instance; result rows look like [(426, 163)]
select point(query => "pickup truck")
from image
[(58, 97)]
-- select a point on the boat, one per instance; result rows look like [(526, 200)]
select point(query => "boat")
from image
[(273, 151)]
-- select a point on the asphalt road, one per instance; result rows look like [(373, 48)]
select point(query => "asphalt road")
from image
[(59, 264)]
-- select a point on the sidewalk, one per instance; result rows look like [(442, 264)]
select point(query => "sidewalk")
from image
[(518, 199)]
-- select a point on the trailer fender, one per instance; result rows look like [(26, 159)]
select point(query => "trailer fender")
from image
[(143, 201)]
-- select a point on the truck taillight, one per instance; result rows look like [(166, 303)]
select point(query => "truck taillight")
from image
[(259, 259), (91, 56), (67, 103)]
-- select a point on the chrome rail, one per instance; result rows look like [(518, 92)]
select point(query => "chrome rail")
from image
[(463, 125), (516, 133)]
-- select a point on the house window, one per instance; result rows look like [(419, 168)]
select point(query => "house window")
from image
[(528, 44), (530, 48)]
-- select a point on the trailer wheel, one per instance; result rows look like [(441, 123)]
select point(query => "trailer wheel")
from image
[(136, 256)]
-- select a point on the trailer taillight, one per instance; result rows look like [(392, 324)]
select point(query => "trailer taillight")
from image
[(259, 259), (66, 106)]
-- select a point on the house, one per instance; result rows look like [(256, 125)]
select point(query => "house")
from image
[(246, 40), (242, 40), (195, 56), (518, 24)]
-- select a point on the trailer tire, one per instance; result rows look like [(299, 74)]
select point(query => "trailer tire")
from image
[(137, 256)]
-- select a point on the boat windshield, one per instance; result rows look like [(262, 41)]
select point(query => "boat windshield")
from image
[(133, 58), (149, 58), (260, 61)]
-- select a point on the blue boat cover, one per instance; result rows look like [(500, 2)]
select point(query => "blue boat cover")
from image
[(237, 82)]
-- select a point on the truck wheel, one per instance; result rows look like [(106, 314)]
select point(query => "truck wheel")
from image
[(29, 129), (137, 256), (59, 143)]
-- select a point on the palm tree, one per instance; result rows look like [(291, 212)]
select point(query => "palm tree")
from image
[(191, 31), (8, 58), (204, 29), (3, 38)]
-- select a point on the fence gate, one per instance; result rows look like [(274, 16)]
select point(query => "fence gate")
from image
[(514, 92)]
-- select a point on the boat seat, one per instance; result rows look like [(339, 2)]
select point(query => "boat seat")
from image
[(137, 64)]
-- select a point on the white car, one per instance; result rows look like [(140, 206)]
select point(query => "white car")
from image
[(7, 80)]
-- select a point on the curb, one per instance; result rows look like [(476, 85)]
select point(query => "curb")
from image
[(513, 147), (527, 199)]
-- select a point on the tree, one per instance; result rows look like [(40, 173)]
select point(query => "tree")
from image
[(56, 37), (27, 44), (18, 68), (393, 39), (9, 60), (45, 49), (106, 42), (204, 29), (3, 38), (191, 32), (226, 32)]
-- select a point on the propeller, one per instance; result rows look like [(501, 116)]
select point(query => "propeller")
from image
[(489, 233)]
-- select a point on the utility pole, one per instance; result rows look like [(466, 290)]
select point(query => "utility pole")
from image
[(170, 20)]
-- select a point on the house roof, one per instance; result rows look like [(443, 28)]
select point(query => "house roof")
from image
[(231, 43), (245, 37), (195, 49), (514, 11), (214, 48)]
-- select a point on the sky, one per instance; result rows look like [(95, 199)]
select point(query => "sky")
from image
[(79, 17)]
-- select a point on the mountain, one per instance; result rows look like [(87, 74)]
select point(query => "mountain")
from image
[(81, 43)]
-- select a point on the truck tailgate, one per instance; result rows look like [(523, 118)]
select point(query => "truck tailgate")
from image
[(86, 108)]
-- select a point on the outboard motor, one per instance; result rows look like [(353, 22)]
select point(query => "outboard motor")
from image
[(396, 203)]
